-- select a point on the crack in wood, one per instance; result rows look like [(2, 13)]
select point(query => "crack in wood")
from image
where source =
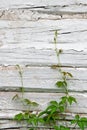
[(73, 32)]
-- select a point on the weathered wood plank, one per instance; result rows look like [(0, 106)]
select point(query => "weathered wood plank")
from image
[(45, 12), (35, 15), (41, 78), (39, 34), (9, 108), (6, 102), (8, 115), (12, 125), (35, 3), (35, 57), (26, 36)]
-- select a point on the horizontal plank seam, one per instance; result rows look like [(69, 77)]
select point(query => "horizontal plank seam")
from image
[(37, 90)]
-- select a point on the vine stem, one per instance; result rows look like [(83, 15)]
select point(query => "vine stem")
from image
[(57, 51), (59, 67), (21, 79), (58, 58)]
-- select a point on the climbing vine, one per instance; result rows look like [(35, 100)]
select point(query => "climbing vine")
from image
[(55, 115)]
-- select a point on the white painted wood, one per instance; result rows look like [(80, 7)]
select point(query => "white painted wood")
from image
[(6, 102), (9, 114), (42, 78), (17, 126), (39, 34), (26, 38), (29, 3), (37, 13), (28, 56)]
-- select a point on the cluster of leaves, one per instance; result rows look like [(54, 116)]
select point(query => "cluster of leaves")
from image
[(30, 119), (55, 112), (80, 121)]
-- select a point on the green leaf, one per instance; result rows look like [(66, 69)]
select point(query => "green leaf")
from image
[(81, 125), (31, 129), (61, 128), (54, 103), (19, 117), (42, 113), (63, 100), (27, 101), (67, 74), (64, 128), (77, 117), (41, 120), (51, 108), (73, 122), (34, 104), (26, 115), (61, 84), (61, 108), (71, 100), (84, 120), (56, 128)]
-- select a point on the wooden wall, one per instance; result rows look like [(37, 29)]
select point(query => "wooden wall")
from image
[(26, 38)]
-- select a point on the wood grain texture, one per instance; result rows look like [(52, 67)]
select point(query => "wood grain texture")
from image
[(42, 78), (21, 126), (44, 13), (35, 57), (39, 34), (7, 103), (42, 3), (26, 38), (9, 108)]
